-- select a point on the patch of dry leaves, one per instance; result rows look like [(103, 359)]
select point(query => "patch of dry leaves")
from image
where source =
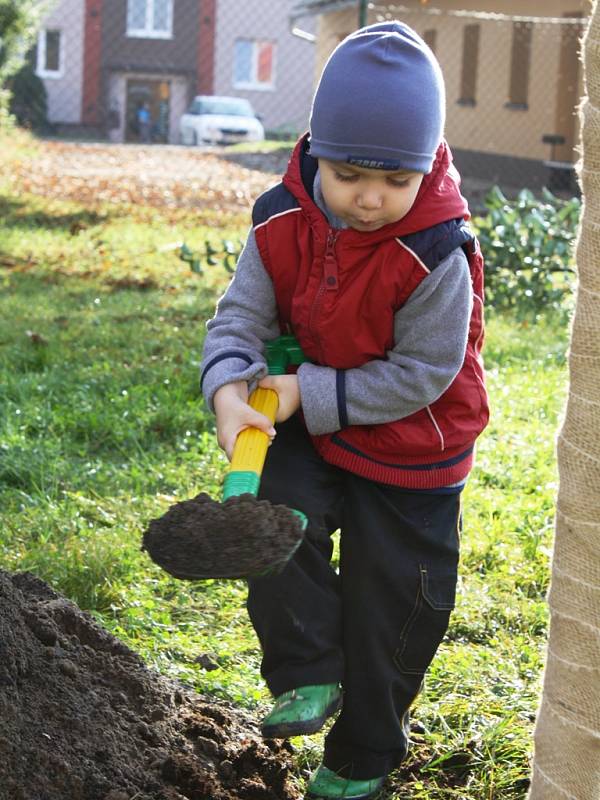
[(159, 176)]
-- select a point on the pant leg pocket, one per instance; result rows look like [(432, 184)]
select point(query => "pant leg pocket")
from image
[(427, 623)]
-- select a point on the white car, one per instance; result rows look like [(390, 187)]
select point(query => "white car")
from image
[(220, 120)]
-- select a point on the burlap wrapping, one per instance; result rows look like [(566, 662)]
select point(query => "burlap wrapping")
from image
[(567, 736)]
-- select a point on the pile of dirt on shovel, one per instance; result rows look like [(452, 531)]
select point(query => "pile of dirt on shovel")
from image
[(82, 717)]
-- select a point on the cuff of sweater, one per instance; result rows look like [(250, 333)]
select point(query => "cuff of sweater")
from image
[(228, 370), (319, 397)]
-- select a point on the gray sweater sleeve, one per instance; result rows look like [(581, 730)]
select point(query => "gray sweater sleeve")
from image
[(245, 318), (430, 334)]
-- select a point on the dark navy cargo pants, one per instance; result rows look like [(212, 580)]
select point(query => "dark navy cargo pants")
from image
[(376, 624)]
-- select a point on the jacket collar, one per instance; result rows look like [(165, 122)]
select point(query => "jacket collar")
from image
[(439, 198)]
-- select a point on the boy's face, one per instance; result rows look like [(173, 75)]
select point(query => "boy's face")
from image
[(367, 199)]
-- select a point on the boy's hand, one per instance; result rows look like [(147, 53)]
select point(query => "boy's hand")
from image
[(235, 415), (288, 389)]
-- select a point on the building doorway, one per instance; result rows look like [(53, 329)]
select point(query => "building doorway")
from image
[(147, 111)]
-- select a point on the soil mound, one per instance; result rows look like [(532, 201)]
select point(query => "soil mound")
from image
[(82, 717)]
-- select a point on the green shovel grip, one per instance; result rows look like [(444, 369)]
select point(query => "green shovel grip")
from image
[(281, 353)]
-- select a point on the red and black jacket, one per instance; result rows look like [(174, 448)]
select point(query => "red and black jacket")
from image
[(339, 291)]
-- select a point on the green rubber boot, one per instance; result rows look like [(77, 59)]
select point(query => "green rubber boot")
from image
[(301, 711), (328, 785)]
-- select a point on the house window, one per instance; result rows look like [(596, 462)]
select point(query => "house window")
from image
[(150, 19), (470, 61), (520, 61), (50, 54), (253, 64), (430, 38)]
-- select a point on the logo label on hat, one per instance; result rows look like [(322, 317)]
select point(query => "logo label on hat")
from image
[(373, 163)]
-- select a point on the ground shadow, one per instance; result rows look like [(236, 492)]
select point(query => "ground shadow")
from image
[(273, 161), (14, 215)]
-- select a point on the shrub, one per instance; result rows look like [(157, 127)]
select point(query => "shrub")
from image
[(528, 248), (19, 20), (224, 255), (29, 103)]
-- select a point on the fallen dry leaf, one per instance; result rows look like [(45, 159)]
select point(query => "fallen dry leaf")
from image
[(36, 338)]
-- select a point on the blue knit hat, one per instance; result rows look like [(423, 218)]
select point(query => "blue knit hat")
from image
[(380, 102)]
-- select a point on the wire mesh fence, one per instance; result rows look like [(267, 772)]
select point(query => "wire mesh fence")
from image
[(150, 71)]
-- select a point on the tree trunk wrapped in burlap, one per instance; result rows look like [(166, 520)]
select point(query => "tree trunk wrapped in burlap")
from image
[(567, 735)]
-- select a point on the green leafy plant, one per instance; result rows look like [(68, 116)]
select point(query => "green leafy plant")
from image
[(19, 21), (528, 248), (225, 255)]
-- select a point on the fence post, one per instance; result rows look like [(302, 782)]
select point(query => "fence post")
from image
[(362, 13)]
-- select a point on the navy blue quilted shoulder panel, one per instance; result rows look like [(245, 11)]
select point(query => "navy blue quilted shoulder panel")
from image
[(434, 244), (271, 202)]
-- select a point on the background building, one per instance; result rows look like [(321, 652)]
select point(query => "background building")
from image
[(258, 57), (103, 60), (512, 75), (59, 60)]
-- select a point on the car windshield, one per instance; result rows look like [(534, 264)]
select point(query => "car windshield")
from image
[(230, 106)]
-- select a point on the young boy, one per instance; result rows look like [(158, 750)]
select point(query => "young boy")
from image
[(363, 253)]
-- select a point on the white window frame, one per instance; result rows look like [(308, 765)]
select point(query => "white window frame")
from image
[(40, 68), (148, 32), (254, 84)]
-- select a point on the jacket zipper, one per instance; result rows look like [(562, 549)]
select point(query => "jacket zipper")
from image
[(327, 284)]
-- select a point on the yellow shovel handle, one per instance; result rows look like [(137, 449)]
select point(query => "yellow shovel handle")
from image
[(251, 445)]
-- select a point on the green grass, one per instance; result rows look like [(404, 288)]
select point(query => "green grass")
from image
[(101, 428)]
